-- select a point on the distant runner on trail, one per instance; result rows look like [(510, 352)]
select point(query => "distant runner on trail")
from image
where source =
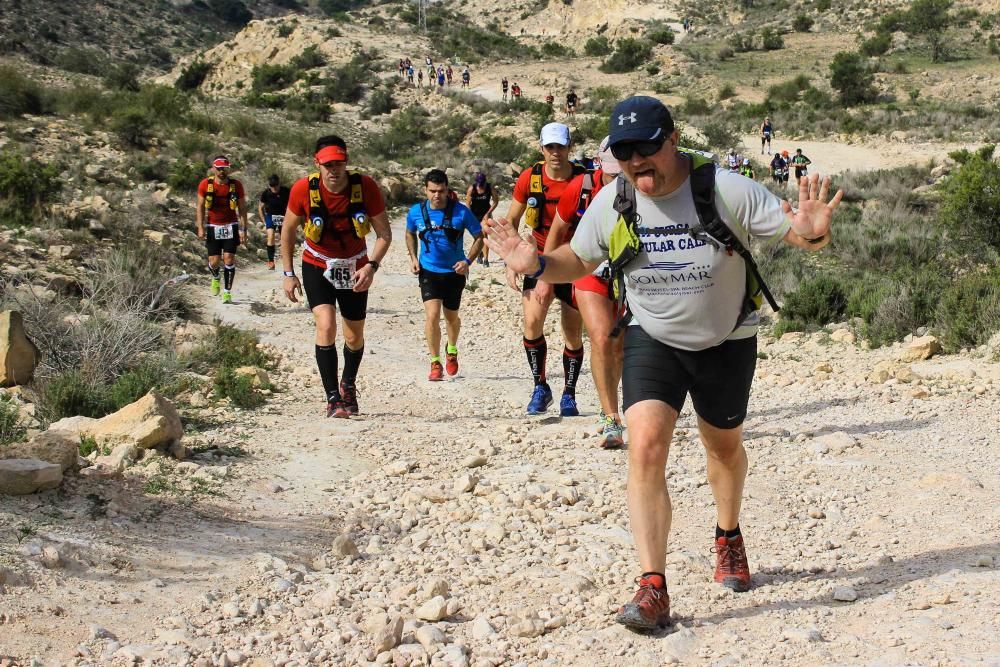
[(733, 160), (482, 198), (592, 296), (693, 325), (779, 169), (536, 198), (515, 91), (800, 162), (503, 86), (550, 99), (222, 204), (439, 223), (466, 77), (766, 130), (271, 209), (747, 169), (571, 102), (337, 209)]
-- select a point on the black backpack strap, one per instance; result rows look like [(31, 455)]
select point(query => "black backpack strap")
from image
[(426, 215), (712, 229)]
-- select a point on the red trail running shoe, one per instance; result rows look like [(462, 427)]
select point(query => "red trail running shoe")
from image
[(451, 363), (731, 567), (649, 608), (437, 372)]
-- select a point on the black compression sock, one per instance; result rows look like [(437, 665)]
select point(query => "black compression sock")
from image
[(326, 360), (270, 253), (572, 363), (728, 534), (352, 360), (536, 351), (228, 274)]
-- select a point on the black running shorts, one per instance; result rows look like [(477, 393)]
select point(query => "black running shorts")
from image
[(563, 291), (444, 286), (352, 305), (718, 378), (215, 246)]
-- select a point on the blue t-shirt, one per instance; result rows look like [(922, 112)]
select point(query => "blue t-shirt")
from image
[(437, 252)]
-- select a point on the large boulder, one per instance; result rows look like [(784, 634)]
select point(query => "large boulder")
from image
[(19, 477), (150, 422), (58, 447), (18, 355), (75, 426), (919, 349)]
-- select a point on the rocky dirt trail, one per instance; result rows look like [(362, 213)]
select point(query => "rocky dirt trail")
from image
[(444, 527)]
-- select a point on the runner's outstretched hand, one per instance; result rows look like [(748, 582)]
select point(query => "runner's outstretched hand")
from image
[(812, 219), (520, 254)]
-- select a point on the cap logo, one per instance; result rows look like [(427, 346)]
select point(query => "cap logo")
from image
[(630, 118)]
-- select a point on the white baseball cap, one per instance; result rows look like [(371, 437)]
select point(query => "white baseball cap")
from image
[(554, 133), (609, 165)]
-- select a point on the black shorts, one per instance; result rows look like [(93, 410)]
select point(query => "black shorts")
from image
[(215, 246), (718, 378), (563, 291), (352, 305), (444, 286), (800, 172)]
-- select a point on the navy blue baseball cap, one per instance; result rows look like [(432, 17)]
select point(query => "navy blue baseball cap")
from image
[(639, 118)]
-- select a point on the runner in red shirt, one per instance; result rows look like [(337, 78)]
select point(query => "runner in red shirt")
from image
[(336, 268), (539, 210), (223, 202), (592, 297)]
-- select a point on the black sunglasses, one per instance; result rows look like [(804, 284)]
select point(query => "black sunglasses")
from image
[(624, 150)]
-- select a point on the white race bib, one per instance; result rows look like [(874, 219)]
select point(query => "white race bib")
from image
[(340, 272), (277, 220), (223, 233)]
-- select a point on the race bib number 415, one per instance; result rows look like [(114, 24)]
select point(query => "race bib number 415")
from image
[(340, 273), (223, 233)]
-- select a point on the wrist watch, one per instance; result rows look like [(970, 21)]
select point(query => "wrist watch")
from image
[(289, 274), (375, 265)]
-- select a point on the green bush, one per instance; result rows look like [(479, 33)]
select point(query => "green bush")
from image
[(192, 76), (660, 34), (70, 394), (593, 127), (20, 95), (233, 12), (802, 23), (970, 204), (817, 301), (787, 92), (237, 388), (771, 39), (267, 78), (603, 99), (310, 58), (337, 8), (230, 347), (894, 306), (186, 174), (347, 82), (83, 60), (380, 102), (695, 106), (719, 135), (10, 428), (597, 46), (968, 313), (556, 50), (501, 148), (629, 54), (311, 107), (26, 185), (123, 77), (407, 129), (851, 75), (726, 92), (876, 45), (133, 126), (286, 29)]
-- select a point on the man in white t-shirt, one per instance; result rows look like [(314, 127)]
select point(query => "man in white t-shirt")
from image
[(686, 296)]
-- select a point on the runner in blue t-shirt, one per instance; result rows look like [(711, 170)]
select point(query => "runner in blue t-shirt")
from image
[(440, 223)]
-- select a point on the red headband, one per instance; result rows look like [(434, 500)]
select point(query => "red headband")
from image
[(221, 163), (331, 153)]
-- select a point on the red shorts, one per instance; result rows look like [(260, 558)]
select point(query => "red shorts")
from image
[(593, 283)]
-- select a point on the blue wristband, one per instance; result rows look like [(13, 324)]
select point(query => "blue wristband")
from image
[(541, 268), (468, 261)]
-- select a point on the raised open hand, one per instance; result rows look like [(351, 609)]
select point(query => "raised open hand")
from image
[(812, 219), (520, 254)]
